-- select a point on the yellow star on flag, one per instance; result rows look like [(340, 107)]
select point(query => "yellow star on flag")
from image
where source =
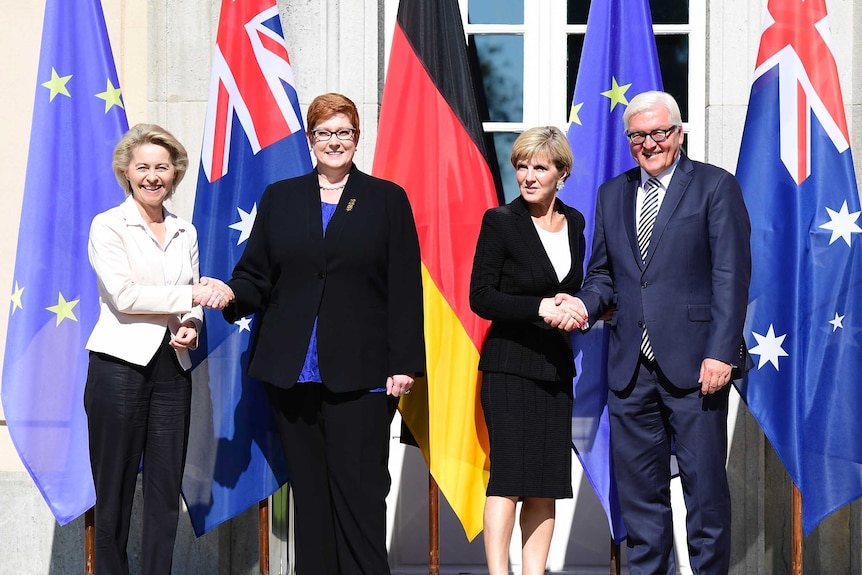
[(16, 298), (111, 96), (57, 84), (617, 94), (63, 309), (573, 113)]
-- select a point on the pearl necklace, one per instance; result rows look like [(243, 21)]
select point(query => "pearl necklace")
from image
[(333, 188)]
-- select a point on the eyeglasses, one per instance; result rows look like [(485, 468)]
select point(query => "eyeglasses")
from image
[(657, 136), (343, 134)]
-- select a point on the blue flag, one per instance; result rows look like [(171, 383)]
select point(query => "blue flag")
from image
[(78, 117), (253, 136), (805, 304), (619, 60)]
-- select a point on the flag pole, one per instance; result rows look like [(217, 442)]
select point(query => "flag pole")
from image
[(263, 535), (615, 557), (433, 526), (796, 547), (90, 541)]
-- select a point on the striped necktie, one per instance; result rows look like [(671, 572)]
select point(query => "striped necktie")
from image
[(649, 211), (646, 221)]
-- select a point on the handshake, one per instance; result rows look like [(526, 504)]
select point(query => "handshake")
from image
[(563, 311), (212, 293)]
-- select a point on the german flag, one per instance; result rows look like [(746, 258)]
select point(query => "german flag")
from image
[(430, 142)]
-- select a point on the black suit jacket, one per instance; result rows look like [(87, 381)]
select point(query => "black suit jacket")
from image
[(691, 292), (362, 280), (511, 275)]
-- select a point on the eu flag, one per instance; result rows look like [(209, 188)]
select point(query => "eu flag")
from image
[(805, 305), (619, 60), (78, 117), (253, 136)]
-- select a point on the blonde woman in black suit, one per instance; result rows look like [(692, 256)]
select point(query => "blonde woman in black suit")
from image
[(528, 263)]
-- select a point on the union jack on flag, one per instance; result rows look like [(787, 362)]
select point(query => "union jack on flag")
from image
[(253, 136), (805, 305)]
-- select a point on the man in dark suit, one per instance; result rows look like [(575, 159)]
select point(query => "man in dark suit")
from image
[(671, 253)]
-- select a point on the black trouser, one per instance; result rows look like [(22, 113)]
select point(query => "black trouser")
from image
[(337, 450), (135, 411), (644, 417)]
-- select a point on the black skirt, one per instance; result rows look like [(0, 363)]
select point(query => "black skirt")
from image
[(530, 431)]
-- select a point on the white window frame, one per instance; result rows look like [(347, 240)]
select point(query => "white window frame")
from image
[(545, 32)]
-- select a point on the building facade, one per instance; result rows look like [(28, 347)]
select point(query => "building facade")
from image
[(529, 51)]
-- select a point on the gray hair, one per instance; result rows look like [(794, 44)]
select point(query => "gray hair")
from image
[(650, 100)]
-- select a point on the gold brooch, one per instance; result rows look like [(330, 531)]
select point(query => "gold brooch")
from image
[(351, 203)]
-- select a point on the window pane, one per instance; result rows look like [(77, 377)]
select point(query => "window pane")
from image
[(673, 61), (495, 12), (669, 11), (503, 145), (574, 48), (663, 11), (577, 11), (501, 63)]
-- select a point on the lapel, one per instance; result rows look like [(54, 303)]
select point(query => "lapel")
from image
[(303, 204), (350, 196), (530, 237), (574, 240), (630, 198), (678, 184)]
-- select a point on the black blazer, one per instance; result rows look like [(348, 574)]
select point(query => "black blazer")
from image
[(511, 275), (692, 292), (362, 281)]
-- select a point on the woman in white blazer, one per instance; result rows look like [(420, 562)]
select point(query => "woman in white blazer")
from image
[(138, 392)]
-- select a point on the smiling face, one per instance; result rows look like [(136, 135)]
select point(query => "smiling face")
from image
[(537, 179), (151, 176), (655, 158), (334, 156)]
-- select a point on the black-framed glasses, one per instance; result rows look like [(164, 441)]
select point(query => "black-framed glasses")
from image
[(343, 134), (657, 136)]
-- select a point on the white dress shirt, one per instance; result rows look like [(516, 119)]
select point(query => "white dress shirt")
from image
[(144, 287)]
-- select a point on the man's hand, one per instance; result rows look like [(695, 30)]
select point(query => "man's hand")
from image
[(714, 375)]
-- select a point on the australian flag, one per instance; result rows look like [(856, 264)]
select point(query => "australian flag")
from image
[(253, 136), (78, 117), (805, 305), (619, 61)]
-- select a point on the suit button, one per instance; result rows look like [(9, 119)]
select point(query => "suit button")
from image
[(644, 285), (321, 275)]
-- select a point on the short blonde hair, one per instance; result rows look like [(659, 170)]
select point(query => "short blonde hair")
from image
[(139, 135), (544, 140)]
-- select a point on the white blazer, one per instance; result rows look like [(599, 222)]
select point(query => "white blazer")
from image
[(144, 288)]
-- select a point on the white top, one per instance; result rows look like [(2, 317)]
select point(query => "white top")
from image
[(557, 247), (144, 287)]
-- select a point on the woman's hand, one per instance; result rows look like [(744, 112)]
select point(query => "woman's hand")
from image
[(212, 293), (563, 311), (185, 338), (399, 385)]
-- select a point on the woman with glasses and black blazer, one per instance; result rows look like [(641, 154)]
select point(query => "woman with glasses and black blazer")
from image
[(332, 269)]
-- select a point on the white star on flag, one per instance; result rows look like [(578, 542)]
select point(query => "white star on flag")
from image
[(246, 221), (837, 322), (768, 348), (244, 323), (842, 224)]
